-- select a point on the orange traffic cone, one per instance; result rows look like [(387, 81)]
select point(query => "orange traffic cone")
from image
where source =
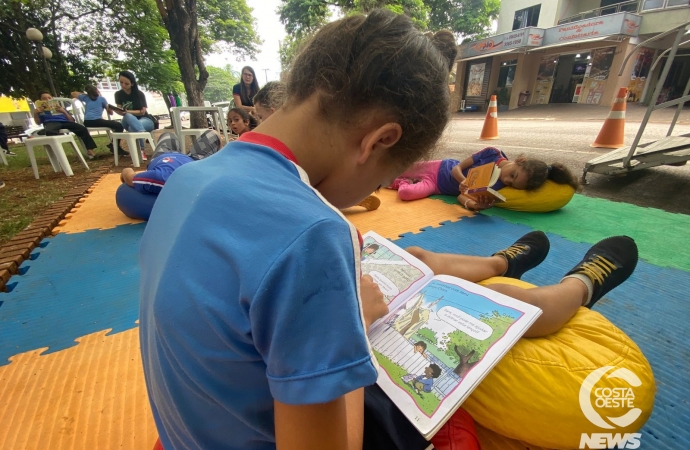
[(612, 134), (490, 128)]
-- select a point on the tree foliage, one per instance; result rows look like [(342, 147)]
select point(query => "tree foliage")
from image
[(220, 83), (472, 19), (428, 335), (466, 344), (226, 21)]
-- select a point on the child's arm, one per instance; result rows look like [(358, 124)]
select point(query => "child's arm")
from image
[(127, 176), (62, 110), (457, 170), (337, 425)]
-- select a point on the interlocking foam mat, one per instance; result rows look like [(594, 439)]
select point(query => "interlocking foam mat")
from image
[(69, 323)]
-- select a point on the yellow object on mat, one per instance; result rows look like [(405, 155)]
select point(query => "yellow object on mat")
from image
[(549, 197), (533, 393), (395, 217), (98, 210)]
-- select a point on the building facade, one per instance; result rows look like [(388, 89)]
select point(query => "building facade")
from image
[(572, 51)]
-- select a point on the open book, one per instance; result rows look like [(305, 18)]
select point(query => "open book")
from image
[(441, 336), (48, 105), (480, 179), (120, 111)]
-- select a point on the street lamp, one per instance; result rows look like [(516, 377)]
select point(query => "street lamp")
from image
[(45, 54)]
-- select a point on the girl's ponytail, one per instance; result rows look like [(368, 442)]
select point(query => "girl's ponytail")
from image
[(560, 174), (538, 172)]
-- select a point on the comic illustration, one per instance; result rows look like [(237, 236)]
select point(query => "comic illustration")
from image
[(428, 344)]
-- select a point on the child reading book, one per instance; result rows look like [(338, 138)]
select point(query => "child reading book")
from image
[(453, 331), (54, 117), (253, 313), (446, 176)]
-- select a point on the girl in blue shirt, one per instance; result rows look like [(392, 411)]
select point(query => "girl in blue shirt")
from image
[(94, 105)]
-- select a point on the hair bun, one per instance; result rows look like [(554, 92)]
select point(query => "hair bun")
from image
[(444, 41)]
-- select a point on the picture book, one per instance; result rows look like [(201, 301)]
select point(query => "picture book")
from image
[(118, 110), (480, 179), (441, 336), (48, 105)]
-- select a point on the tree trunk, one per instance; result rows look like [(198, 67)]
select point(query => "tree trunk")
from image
[(464, 366), (180, 19)]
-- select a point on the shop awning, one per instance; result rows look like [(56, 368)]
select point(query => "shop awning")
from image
[(488, 55), (584, 41)]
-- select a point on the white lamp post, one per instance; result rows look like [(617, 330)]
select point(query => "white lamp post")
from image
[(45, 54)]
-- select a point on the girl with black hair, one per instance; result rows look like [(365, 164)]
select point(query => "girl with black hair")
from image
[(244, 91), (133, 101)]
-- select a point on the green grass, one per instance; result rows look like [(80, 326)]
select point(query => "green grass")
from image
[(426, 401), (23, 198)]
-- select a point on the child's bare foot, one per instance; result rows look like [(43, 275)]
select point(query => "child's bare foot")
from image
[(525, 254), (370, 203)]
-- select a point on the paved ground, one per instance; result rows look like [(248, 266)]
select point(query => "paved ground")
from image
[(567, 141)]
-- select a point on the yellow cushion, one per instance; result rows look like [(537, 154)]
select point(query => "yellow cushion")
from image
[(532, 395), (549, 197)]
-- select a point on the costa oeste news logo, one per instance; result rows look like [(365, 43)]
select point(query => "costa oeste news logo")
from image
[(607, 398)]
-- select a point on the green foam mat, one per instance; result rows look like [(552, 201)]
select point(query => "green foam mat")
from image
[(660, 236)]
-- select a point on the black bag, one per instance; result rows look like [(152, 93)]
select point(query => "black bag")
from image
[(156, 125)]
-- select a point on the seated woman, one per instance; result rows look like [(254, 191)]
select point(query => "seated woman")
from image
[(54, 117), (446, 176), (133, 102), (94, 105), (139, 191), (243, 92)]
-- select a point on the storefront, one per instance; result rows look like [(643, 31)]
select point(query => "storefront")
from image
[(489, 66), (576, 62), (579, 61)]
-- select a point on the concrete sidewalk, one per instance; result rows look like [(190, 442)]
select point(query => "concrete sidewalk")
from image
[(575, 112)]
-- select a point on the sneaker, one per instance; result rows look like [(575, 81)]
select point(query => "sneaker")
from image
[(370, 203), (8, 153), (2, 184), (607, 264), (525, 254)]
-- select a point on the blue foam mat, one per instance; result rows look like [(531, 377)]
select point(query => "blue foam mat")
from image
[(79, 284), (652, 307)]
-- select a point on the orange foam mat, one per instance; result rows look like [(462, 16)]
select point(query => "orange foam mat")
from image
[(97, 210), (395, 217), (90, 396)]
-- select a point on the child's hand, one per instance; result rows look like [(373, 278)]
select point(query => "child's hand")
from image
[(482, 203), (127, 176), (463, 187), (373, 305)]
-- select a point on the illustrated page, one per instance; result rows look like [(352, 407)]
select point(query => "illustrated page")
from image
[(397, 273), (435, 347)]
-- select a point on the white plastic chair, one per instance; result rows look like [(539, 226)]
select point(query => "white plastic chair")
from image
[(132, 144), (56, 153), (216, 115)]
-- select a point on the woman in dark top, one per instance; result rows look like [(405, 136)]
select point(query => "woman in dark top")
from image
[(132, 100), (245, 90)]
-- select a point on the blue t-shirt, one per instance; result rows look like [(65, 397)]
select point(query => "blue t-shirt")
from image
[(93, 109), (248, 294), (448, 185), (427, 382), (47, 117), (158, 171)]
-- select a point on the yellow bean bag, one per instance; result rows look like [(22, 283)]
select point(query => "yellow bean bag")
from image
[(533, 393), (549, 197)]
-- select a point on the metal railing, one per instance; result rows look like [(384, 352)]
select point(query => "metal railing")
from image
[(634, 6)]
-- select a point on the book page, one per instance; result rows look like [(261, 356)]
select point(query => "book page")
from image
[(397, 273), (434, 349)]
